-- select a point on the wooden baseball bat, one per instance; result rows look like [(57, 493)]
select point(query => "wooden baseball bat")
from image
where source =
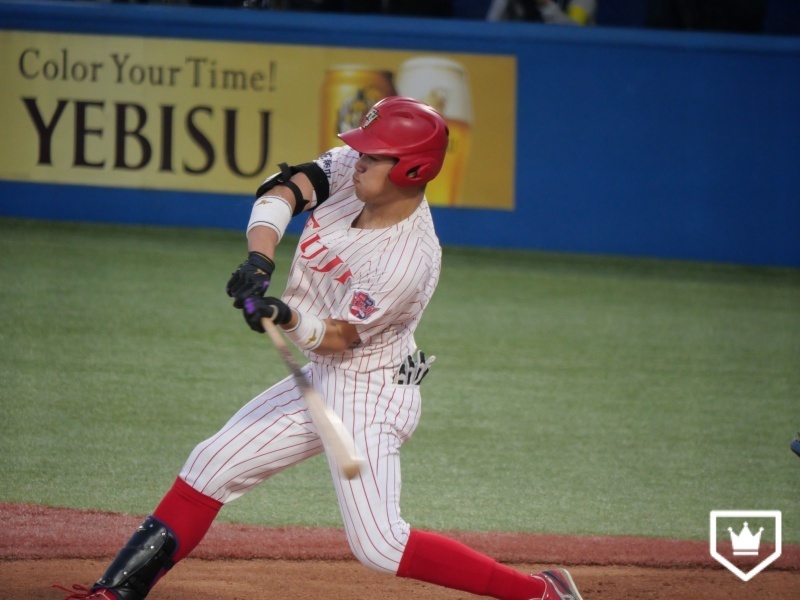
[(338, 442)]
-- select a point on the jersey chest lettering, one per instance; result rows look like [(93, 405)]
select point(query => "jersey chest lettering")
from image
[(318, 257)]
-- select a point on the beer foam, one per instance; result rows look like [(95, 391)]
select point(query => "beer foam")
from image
[(440, 82)]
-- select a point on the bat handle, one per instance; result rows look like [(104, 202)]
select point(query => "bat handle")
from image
[(272, 331)]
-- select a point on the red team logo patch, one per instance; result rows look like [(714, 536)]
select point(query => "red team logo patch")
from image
[(362, 306)]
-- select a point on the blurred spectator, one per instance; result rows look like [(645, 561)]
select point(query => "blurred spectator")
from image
[(179, 2), (556, 12), (298, 5), (416, 8), (746, 16)]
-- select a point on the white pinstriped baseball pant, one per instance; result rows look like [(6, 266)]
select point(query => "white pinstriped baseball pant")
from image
[(274, 431)]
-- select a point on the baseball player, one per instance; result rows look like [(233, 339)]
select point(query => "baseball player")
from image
[(365, 267)]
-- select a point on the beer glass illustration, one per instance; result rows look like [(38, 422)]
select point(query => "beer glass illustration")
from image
[(442, 83), (348, 92)]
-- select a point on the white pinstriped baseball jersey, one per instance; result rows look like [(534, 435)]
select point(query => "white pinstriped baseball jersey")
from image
[(380, 281)]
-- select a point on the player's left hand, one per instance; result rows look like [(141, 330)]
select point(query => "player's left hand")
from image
[(255, 308), (413, 369), (250, 279)]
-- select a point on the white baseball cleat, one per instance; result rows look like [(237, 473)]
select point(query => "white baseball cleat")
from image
[(558, 585)]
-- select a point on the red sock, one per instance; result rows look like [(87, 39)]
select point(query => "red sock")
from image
[(440, 560), (188, 513)]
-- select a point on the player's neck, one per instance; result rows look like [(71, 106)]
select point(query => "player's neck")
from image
[(381, 216)]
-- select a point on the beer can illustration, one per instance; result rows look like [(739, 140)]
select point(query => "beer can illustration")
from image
[(349, 91), (443, 84)]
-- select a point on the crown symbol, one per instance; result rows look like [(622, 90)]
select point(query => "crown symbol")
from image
[(745, 544)]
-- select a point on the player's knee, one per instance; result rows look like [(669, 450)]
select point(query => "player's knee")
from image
[(381, 550), (375, 558)]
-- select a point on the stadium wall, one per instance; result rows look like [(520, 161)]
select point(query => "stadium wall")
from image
[(626, 142)]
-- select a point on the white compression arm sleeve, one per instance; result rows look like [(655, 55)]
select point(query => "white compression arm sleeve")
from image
[(271, 211)]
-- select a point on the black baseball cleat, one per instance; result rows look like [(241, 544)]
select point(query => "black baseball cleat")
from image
[(795, 445)]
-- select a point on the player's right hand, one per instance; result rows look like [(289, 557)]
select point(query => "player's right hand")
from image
[(255, 308), (250, 279)]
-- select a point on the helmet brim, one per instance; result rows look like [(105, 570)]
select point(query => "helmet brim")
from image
[(361, 141)]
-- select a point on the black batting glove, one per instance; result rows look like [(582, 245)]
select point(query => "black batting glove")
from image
[(255, 308), (250, 279)]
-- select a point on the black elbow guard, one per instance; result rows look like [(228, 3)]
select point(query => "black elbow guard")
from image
[(312, 170)]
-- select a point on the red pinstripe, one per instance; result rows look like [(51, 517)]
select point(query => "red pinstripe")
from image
[(223, 433)]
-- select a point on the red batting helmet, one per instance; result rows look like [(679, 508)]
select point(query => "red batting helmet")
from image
[(405, 129)]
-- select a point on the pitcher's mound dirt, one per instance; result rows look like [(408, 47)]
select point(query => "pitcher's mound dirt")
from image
[(40, 546)]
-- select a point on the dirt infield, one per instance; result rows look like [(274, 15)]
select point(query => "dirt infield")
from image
[(40, 546)]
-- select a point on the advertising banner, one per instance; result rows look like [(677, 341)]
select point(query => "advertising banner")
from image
[(152, 113)]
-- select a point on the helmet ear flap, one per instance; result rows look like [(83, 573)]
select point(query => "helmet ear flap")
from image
[(413, 173), (408, 176), (416, 171)]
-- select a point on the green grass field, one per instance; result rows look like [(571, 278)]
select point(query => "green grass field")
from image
[(571, 394)]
